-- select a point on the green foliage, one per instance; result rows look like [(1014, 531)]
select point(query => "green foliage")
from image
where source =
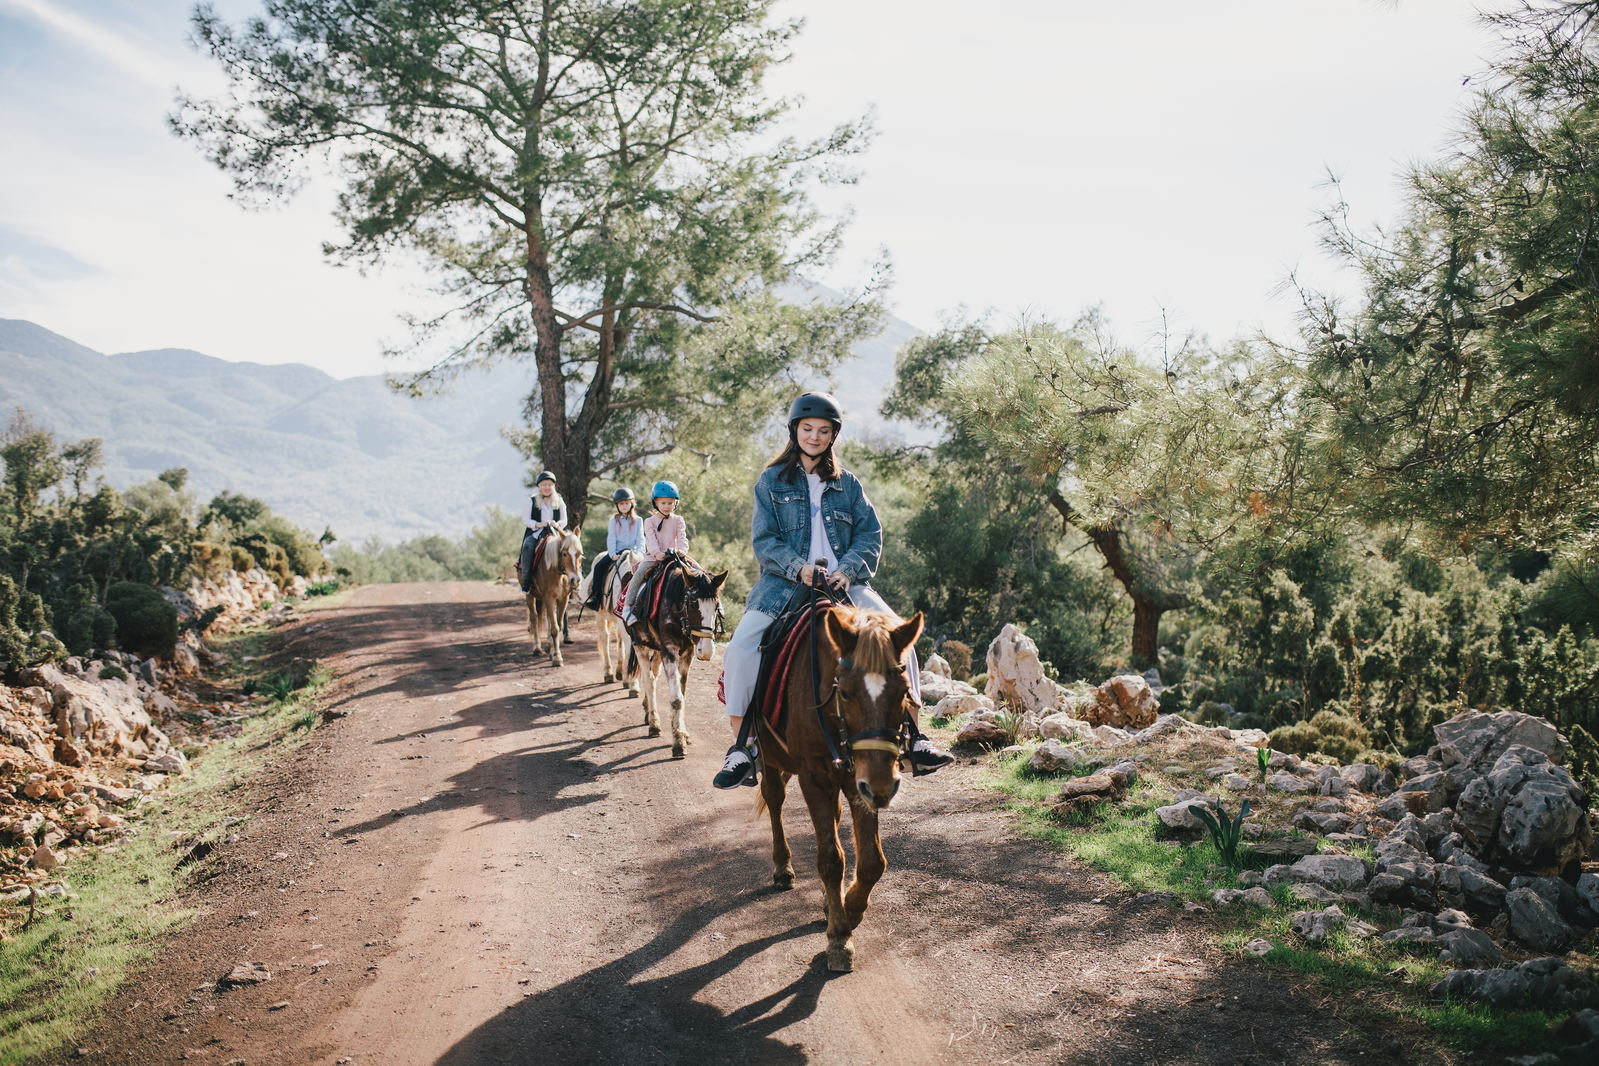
[(1225, 835), (112, 670), (621, 212), (959, 656), (1327, 733), (146, 623), (487, 553), (1262, 757)]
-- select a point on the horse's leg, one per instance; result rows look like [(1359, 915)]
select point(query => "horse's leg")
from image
[(774, 789), (533, 624), (869, 862), (822, 798), (605, 646), (626, 655), (651, 665), (676, 681), (557, 621)]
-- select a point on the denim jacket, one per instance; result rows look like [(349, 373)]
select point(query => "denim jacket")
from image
[(781, 530)]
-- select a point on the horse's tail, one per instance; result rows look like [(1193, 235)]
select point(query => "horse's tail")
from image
[(632, 659), (760, 802)]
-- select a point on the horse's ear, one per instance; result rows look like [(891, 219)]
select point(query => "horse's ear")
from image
[(907, 633), (843, 637), (717, 579)]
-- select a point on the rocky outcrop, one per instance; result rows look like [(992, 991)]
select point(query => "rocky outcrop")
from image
[(1016, 675), (1124, 702), (1548, 983)]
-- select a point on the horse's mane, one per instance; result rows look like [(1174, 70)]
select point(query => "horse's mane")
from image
[(874, 647)]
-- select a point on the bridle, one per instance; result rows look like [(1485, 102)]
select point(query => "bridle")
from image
[(896, 742), (718, 626)]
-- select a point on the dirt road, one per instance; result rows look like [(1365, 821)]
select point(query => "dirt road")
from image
[(487, 861)]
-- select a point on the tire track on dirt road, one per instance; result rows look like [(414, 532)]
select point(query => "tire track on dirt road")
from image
[(487, 861)]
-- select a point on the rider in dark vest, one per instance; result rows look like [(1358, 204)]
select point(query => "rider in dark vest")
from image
[(544, 511), (807, 507)]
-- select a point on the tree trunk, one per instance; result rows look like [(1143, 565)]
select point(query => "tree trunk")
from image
[(1148, 606)]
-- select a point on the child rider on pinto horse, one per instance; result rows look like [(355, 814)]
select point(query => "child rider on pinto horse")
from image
[(807, 507), (663, 532)]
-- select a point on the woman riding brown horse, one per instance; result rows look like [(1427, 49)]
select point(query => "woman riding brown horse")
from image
[(844, 723)]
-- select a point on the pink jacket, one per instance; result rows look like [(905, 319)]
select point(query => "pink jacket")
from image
[(665, 534)]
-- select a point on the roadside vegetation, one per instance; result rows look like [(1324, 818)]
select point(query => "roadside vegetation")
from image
[(119, 901)]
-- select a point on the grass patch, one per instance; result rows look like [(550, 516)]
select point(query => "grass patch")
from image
[(57, 974), (1125, 841)]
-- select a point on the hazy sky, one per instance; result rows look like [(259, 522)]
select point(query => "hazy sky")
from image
[(1032, 157)]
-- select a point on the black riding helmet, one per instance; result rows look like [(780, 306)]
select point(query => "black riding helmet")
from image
[(817, 405), (621, 494)]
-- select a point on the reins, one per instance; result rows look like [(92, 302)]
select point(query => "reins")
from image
[(896, 742)]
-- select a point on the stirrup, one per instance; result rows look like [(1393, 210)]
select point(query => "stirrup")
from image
[(735, 769)]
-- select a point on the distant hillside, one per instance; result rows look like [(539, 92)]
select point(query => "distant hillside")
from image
[(321, 451)]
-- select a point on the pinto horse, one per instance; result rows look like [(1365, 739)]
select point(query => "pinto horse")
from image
[(842, 728), (682, 630), (611, 627), (557, 566)]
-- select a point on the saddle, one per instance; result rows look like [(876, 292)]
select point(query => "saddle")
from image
[(779, 645), (647, 604)]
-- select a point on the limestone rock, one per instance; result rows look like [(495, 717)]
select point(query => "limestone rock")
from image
[(1477, 740), (1105, 783), (167, 762), (1181, 816), (1285, 847), (185, 660), (1110, 735), (1259, 946), (1125, 702), (1016, 674), (1287, 782), (937, 665), (1052, 757), (952, 706), (1316, 926), (1363, 776), (1534, 922), (1164, 724), (106, 717), (1063, 726), (1331, 871), (1237, 783), (246, 973), (1547, 983), (44, 859), (1463, 948), (1527, 813)]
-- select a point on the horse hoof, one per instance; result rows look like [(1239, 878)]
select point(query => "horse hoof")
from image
[(677, 751), (556, 661), (783, 879), (841, 959), (608, 679), (655, 730)]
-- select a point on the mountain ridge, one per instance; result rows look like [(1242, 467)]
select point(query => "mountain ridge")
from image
[(322, 451)]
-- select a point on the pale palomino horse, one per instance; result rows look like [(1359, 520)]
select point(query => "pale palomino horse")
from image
[(555, 574), (611, 628), (682, 631)]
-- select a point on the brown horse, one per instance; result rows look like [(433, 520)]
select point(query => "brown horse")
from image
[(556, 569), (684, 630), (842, 730)]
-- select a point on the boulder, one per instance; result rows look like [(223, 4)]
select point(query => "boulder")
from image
[(1463, 948), (1587, 889), (44, 859), (1311, 892), (1547, 983), (1527, 813), (1330, 871), (1476, 740), (106, 717), (167, 762), (1110, 736), (1164, 724), (1124, 702), (1442, 788), (1363, 776), (1534, 922), (938, 666), (1063, 726), (1316, 926), (1105, 783), (1052, 757), (1181, 816), (953, 706), (1016, 675), (1287, 782), (1259, 946)]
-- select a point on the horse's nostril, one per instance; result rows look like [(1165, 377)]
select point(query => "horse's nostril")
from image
[(895, 790), (865, 789)]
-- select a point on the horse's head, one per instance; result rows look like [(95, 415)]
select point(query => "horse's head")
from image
[(873, 693), (572, 556), (704, 595)]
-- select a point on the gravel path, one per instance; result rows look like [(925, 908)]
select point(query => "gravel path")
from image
[(487, 861)]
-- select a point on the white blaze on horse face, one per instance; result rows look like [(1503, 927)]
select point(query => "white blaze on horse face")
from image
[(704, 646), (875, 683)]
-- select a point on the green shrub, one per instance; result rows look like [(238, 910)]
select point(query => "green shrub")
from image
[(112, 670), (959, 656), (146, 623), (1328, 733)]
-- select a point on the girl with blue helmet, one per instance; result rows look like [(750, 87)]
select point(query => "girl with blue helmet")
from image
[(664, 531), (807, 507)]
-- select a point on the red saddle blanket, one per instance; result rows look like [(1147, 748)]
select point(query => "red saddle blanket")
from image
[(777, 681)]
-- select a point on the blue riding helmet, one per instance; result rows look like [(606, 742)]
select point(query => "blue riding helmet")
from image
[(621, 494), (664, 488), (544, 475)]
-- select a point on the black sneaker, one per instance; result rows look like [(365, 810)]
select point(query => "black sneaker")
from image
[(927, 757), (738, 769)]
